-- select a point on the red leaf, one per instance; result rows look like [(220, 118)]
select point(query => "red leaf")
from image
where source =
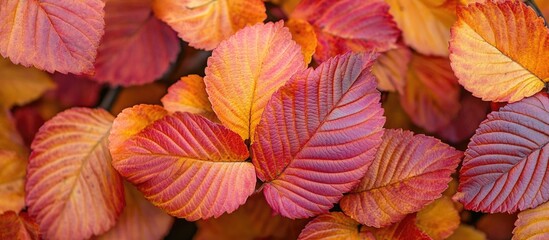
[(52, 35), (505, 165), (334, 225), (18, 227), (471, 113), (318, 135), (71, 188), (408, 173), (188, 166), (403, 230), (137, 47), (371, 26)]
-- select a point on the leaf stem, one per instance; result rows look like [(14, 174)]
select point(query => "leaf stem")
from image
[(109, 98), (534, 6)]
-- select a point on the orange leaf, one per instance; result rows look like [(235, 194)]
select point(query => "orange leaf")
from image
[(403, 230), (18, 227), (189, 95), (71, 188), (439, 219), (205, 23), (334, 225), (467, 232), (137, 47), (304, 34), (131, 121), (498, 50), (20, 85), (139, 219), (245, 70), (431, 94), (52, 35), (532, 223), (390, 188), (425, 24), (390, 69)]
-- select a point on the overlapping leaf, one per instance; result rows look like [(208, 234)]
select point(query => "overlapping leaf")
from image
[(137, 47), (185, 164), (205, 23), (471, 113), (71, 188), (18, 227), (465, 231), (244, 71), (403, 230), (370, 28), (189, 95), (390, 69), (20, 85), (318, 135), (505, 164), (52, 35), (425, 24), (532, 223), (439, 219), (304, 34), (489, 53), (408, 173), (334, 225), (431, 94)]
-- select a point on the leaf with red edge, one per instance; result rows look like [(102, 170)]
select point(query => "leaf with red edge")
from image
[(52, 35), (137, 47), (71, 188), (18, 227), (206, 23), (318, 135), (489, 55), (390, 69), (370, 28), (188, 166), (505, 164), (409, 172), (334, 225), (139, 219), (189, 95), (403, 230), (253, 220), (532, 223), (431, 94), (245, 70)]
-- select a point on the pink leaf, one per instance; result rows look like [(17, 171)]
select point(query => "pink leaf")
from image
[(505, 164), (318, 135), (334, 225)]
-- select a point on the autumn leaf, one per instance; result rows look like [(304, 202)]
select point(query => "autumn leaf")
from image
[(318, 135), (409, 172), (497, 50), (137, 47), (244, 71), (71, 188), (471, 113), (403, 230), (532, 223), (206, 23), (18, 227), (370, 28), (506, 160), (189, 95), (467, 232), (20, 85), (390, 69), (304, 35), (438, 219), (52, 35), (334, 225)]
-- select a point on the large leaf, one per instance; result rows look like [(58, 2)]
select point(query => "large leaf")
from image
[(71, 188), (409, 172), (52, 35), (205, 23), (425, 24), (20, 85), (244, 71), (186, 165), (18, 227), (370, 27), (489, 52), (137, 47), (334, 225), (505, 164), (189, 95), (532, 223), (318, 135)]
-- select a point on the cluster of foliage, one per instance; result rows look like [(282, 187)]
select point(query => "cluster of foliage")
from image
[(336, 119)]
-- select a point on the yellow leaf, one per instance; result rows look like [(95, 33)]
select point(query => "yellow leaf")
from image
[(532, 223), (467, 232), (439, 219), (189, 95), (20, 85), (304, 34)]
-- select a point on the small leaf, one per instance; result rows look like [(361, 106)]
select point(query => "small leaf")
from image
[(489, 54), (532, 223), (20, 85), (12, 181), (439, 219), (506, 160), (471, 113), (131, 121), (205, 23), (189, 95), (390, 69), (370, 28), (245, 70), (467, 232), (71, 188), (409, 172), (334, 225), (403, 230), (318, 135), (304, 34), (188, 166), (52, 35), (137, 47), (18, 227)]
